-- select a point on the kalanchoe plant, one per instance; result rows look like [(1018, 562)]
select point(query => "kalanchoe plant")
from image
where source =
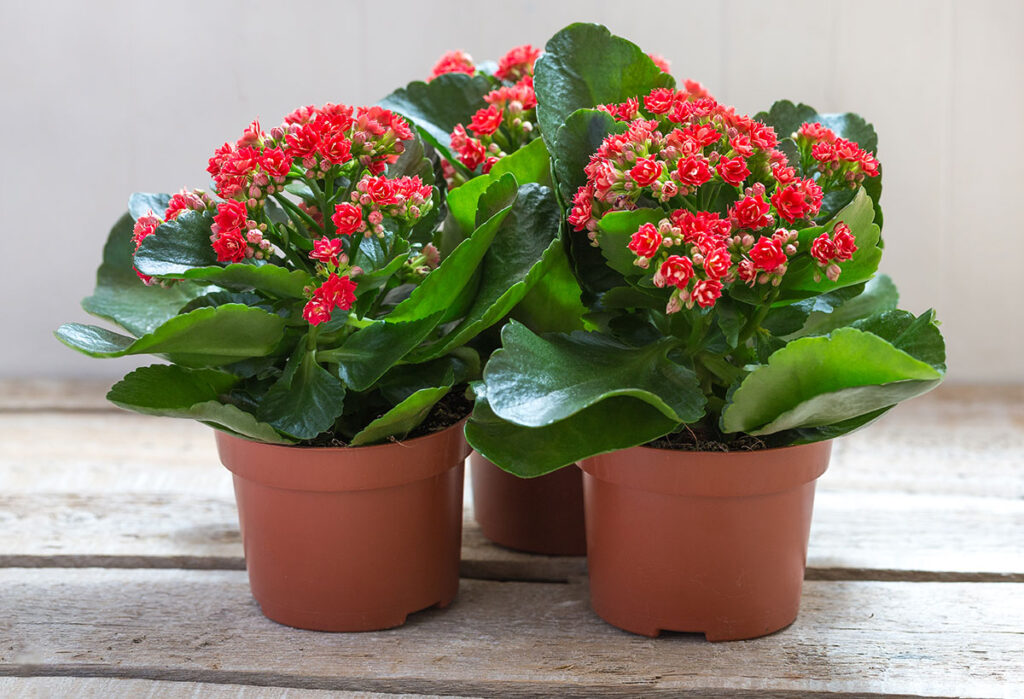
[(729, 266), (303, 299)]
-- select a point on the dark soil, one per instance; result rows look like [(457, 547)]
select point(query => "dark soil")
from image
[(445, 413), (689, 439)]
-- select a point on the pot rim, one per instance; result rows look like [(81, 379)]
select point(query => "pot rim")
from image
[(711, 473), (326, 469)]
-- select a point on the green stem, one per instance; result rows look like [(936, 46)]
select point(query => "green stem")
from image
[(297, 215), (755, 321)]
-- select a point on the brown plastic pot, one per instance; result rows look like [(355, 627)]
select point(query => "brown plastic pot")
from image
[(536, 515), (713, 543), (350, 539)]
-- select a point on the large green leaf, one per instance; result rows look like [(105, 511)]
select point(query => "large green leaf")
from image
[(786, 118), (585, 65), (306, 400), (401, 381), (401, 419), (518, 256), (367, 354), (535, 381), (270, 279), (442, 287), (573, 144), (177, 246), (613, 424), (122, 298), (173, 391), (553, 303), (824, 380), (859, 216), (879, 295), (203, 337), (919, 337), (435, 108)]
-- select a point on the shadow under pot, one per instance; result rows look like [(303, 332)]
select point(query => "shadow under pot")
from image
[(535, 515), (350, 539), (705, 542)]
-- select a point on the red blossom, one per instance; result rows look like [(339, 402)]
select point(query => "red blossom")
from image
[(717, 263), (733, 170), (230, 246), (694, 170), (751, 212), (453, 62), (660, 100), (646, 171), (646, 241), (486, 121), (663, 64), (517, 63), (327, 250), (230, 215), (706, 292), (676, 271), (823, 249), (844, 241), (347, 218), (336, 292), (767, 254)]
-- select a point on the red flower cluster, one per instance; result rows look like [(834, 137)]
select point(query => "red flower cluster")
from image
[(838, 159), (828, 251), (453, 62), (683, 149), (404, 199), (517, 63), (505, 125), (235, 236), (336, 292)]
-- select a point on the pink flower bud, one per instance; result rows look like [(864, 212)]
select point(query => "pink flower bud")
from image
[(832, 272)]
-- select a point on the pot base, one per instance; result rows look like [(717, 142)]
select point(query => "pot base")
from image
[(343, 622)]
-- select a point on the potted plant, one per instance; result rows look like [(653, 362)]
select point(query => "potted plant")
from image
[(309, 315), (730, 263), (482, 122)]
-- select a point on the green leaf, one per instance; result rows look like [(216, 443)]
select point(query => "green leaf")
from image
[(858, 215), (919, 337), (615, 423), (306, 400), (177, 246), (615, 230), (824, 380), (585, 65), (879, 295), (203, 337), (517, 258), (442, 287), (535, 381), (807, 435), (575, 141), (142, 203), (413, 162), (435, 108), (553, 304), (531, 163), (122, 298), (173, 391), (367, 354), (272, 280), (401, 419)]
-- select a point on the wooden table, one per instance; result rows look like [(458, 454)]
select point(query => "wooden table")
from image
[(121, 574)]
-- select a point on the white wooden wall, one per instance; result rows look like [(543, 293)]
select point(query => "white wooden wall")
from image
[(102, 98)]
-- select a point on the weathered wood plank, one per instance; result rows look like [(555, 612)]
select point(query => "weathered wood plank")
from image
[(25, 395), (509, 639), (105, 688), (889, 536)]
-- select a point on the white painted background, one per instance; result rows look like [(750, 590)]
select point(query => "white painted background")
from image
[(98, 99)]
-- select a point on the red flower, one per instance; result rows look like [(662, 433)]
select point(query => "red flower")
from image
[(751, 212), (304, 142), (327, 250), (701, 134), (646, 241), (844, 241), (823, 249), (230, 246), (802, 198), (231, 215), (582, 207), (646, 171), (660, 100), (453, 62), (767, 254), (145, 226), (336, 292), (717, 263), (347, 218), (706, 292), (824, 152), (517, 63), (381, 190), (742, 145), (676, 270), (471, 151), (733, 170), (275, 163), (336, 150), (694, 170), (486, 121), (663, 65)]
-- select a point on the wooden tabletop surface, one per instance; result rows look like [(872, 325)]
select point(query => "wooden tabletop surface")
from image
[(121, 574)]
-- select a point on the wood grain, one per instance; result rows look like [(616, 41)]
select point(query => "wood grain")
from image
[(105, 688), (509, 639)]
